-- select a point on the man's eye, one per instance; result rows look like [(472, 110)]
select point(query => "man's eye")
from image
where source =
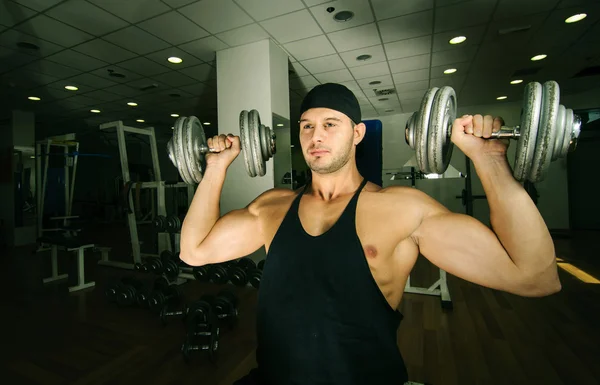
[(330, 124), (306, 126)]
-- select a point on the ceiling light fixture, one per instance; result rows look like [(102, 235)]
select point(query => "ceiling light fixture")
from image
[(516, 81), (343, 16), (34, 98), (389, 110), (140, 121), (132, 104), (501, 97), (374, 82), (175, 60), (71, 88), (206, 123), (95, 111), (457, 40), (576, 18), (363, 57), (450, 71), (539, 57), (279, 124), (174, 115), (172, 128)]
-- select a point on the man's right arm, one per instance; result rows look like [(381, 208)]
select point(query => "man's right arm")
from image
[(206, 238)]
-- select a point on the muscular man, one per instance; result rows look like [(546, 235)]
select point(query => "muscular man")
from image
[(340, 250)]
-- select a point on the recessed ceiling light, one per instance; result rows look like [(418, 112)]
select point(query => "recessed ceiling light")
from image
[(501, 97), (172, 128), (343, 16), (389, 110), (279, 124), (375, 82), (575, 18), (140, 120), (175, 60), (206, 123), (95, 111), (450, 71), (383, 99), (516, 81), (363, 57), (539, 57), (71, 88), (457, 40), (32, 157), (132, 104), (174, 115), (35, 98)]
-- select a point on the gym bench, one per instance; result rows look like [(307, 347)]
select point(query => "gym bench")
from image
[(69, 246)]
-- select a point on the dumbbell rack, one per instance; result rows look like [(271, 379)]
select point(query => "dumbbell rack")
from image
[(164, 239)]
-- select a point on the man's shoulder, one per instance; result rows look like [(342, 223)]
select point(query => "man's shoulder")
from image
[(272, 196)]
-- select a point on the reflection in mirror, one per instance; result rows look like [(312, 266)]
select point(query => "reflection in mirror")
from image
[(283, 157), (24, 177)]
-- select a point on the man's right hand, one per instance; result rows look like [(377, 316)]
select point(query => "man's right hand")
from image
[(226, 149)]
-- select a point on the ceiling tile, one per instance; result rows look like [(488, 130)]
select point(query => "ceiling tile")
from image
[(310, 48), (266, 9), (54, 31), (297, 69), (136, 40), (202, 72), (352, 85), (370, 70), (563, 3), (303, 82), (116, 74), (507, 9), (411, 105), (133, 11), (414, 94), (464, 14), (216, 15), (103, 96), (12, 13), (355, 38), (53, 93), (293, 26), (163, 27), (385, 9), (101, 49), (38, 5), (410, 63), (92, 81), (243, 35), (406, 27), (52, 69), (362, 14), (143, 66), (377, 55), (76, 60), (160, 57), (84, 100), (337, 76), (457, 55), (412, 86), (123, 89), (389, 101), (196, 89), (474, 36), (87, 17), (10, 59), (11, 37), (369, 113), (384, 82), (310, 3), (409, 47), (174, 79), (178, 3), (205, 48), (411, 76), (26, 79), (453, 81), (323, 64)]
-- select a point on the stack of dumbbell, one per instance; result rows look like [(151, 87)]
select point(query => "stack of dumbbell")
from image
[(124, 292), (202, 331), (170, 224), (239, 273)]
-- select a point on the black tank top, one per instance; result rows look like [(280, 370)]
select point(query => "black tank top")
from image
[(321, 317)]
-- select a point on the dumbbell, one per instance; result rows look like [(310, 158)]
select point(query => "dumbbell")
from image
[(159, 298), (224, 305), (547, 131), (152, 264), (173, 224), (142, 297), (198, 309), (171, 264), (238, 273), (255, 275), (160, 223), (201, 273), (127, 291), (218, 273), (201, 331)]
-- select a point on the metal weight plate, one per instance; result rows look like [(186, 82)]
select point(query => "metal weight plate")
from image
[(409, 130), (245, 142), (439, 145), (264, 133), (546, 132), (178, 150), (422, 130), (194, 132), (561, 130), (566, 140), (259, 161), (171, 152), (530, 117)]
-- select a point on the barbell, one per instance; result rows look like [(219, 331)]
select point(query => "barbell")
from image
[(188, 146), (547, 131)]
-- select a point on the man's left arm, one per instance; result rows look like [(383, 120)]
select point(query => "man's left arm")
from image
[(518, 256)]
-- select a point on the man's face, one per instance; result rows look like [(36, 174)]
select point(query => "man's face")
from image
[(328, 138)]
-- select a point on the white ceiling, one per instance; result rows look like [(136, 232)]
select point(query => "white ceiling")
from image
[(82, 41)]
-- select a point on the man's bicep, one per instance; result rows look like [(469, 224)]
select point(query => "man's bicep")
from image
[(464, 247)]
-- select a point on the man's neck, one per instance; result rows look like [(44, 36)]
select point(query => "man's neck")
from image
[(331, 186)]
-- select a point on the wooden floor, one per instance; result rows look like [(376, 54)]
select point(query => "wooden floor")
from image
[(52, 337)]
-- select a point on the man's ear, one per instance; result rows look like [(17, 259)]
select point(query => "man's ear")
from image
[(359, 133)]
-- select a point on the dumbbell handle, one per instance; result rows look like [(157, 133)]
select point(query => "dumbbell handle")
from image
[(203, 149), (203, 347), (174, 313), (507, 133)]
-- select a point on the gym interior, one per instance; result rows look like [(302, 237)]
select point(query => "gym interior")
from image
[(103, 108)]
